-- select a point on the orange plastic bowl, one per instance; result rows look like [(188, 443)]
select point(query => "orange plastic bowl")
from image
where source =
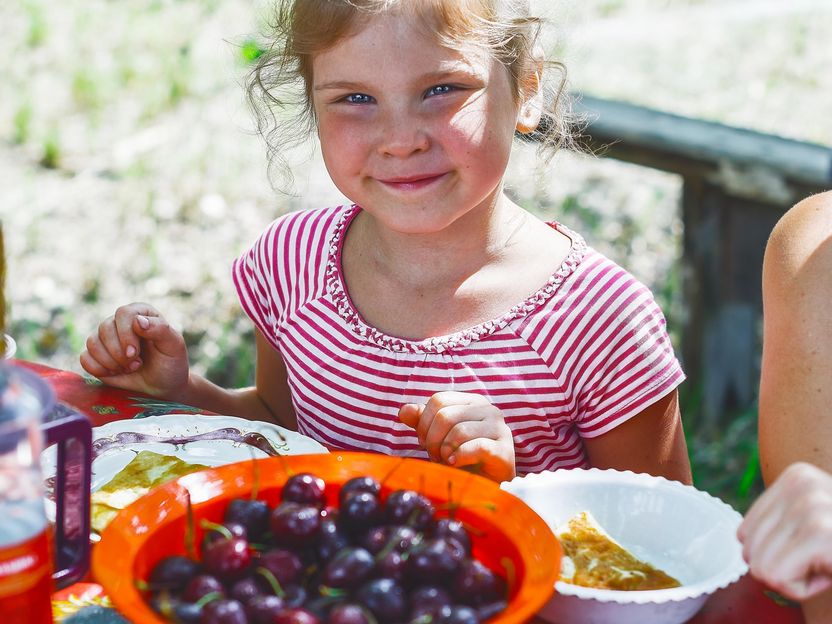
[(507, 535)]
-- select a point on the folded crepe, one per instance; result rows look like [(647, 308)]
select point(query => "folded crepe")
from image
[(594, 559), (146, 470)]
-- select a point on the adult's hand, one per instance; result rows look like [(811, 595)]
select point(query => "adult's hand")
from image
[(787, 533)]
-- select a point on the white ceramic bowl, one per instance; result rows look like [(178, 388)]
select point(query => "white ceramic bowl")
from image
[(685, 532)]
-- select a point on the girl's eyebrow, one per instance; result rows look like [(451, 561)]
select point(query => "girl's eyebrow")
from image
[(463, 71), (342, 84)]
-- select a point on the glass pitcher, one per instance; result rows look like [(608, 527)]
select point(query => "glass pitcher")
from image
[(27, 547)]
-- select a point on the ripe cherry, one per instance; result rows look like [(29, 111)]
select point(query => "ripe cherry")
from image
[(306, 489), (173, 573), (227, 559), (295, 524)]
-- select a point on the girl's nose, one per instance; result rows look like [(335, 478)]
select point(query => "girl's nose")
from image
[(401, 136)]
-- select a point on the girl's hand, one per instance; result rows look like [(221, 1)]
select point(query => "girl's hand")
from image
[(462, 429), (787, 533), (136, 349)]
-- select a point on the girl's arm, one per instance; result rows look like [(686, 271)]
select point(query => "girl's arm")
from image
[(652, 441), (269, 400), (137, 349)]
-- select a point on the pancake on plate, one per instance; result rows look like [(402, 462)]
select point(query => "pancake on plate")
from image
[(593, 559), (144, 472)]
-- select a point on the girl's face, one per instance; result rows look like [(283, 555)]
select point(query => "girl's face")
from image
[(416, 134)]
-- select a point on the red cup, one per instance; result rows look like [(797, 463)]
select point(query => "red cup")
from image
[(28, 417)]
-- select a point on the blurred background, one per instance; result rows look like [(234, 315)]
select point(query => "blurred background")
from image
[(129, 168)]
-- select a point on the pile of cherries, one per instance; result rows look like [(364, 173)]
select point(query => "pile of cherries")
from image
[(368, 561)]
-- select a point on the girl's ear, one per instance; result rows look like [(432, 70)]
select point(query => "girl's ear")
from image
[(531, 109)]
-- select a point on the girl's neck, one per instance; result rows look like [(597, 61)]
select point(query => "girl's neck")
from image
[(477, 239)]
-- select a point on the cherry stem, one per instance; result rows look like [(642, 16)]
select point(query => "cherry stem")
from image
[(271, 580), (166, 606), (451, 507), (332, 592), (208, 598), (213, 526), (451, 510), (511, 575), (255, 475), (286, 468), (190, 545), (371, 619), (391, 543), (392, 470)]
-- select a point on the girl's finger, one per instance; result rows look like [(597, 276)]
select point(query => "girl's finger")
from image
[(93, 366), (473, 451), (108, 337), (461, 433), (409, 414), (98, 352), (124, 319), (443, 421), (451, 397), (157, 330), (425, 421), (491, 458)]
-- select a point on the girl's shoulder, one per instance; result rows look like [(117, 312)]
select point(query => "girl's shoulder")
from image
[(593, 269), (308, 222), (295, 244), (598, 294)]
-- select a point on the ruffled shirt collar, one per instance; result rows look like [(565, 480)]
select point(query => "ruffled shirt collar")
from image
[(336, 287)]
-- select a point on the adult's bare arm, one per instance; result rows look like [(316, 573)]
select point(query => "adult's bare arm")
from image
[(796, 382), (795, 419)]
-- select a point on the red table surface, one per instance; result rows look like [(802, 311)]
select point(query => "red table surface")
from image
[(744, 602)]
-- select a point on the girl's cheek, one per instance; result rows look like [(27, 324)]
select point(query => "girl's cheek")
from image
[(343, 128), (466, 126)]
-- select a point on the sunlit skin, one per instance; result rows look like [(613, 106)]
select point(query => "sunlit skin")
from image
[(790, 524)]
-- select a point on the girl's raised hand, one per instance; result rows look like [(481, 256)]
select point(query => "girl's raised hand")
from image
[(136, 349), (787, 533), (463, 429)]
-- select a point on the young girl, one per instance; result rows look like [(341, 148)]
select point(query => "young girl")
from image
[(433, 317)]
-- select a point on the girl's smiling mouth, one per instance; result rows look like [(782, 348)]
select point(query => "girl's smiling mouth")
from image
[(414, 182)]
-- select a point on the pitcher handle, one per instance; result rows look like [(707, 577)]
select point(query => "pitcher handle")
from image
[(72, 434)]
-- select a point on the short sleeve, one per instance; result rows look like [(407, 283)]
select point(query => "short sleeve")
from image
[(628, 363), (254, 277)]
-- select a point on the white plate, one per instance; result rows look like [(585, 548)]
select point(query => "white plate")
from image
[(189, 437)]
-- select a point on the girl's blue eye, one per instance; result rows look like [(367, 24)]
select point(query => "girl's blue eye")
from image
[(440, 90), (358, 98)]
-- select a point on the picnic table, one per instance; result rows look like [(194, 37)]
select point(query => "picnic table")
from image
[(744, 601)]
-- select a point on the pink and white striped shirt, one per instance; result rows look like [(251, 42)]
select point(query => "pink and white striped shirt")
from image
[(574, 360)]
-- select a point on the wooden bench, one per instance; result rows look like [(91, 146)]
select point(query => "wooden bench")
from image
[(736, 185)]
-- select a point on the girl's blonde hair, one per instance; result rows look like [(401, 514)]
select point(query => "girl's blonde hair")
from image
[(279, 86)]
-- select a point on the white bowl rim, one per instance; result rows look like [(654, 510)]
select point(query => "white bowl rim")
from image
[(655, 596)]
